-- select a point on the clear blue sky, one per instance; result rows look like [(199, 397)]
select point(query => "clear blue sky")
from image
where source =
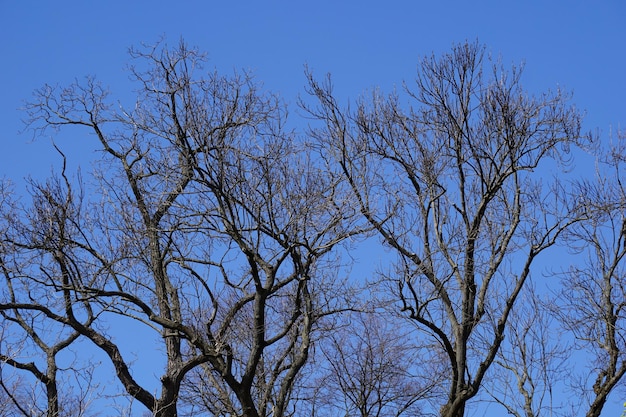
[(577, 45)]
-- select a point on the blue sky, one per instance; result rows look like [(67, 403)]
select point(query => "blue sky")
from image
[(576, 45), (572, 44)]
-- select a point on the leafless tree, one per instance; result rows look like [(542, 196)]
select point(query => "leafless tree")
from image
[(452, 184), (60, 390), (30, 345), (532, 364), (205, 220), (593, 300), (372, 371)]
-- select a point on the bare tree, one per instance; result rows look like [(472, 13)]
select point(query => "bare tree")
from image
[(531, 366), (593, 300), (30, 344), (372, 371), (452, 185), (209, 223), (60, 389)]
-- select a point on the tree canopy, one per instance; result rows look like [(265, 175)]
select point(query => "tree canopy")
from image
[(229, 231)]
